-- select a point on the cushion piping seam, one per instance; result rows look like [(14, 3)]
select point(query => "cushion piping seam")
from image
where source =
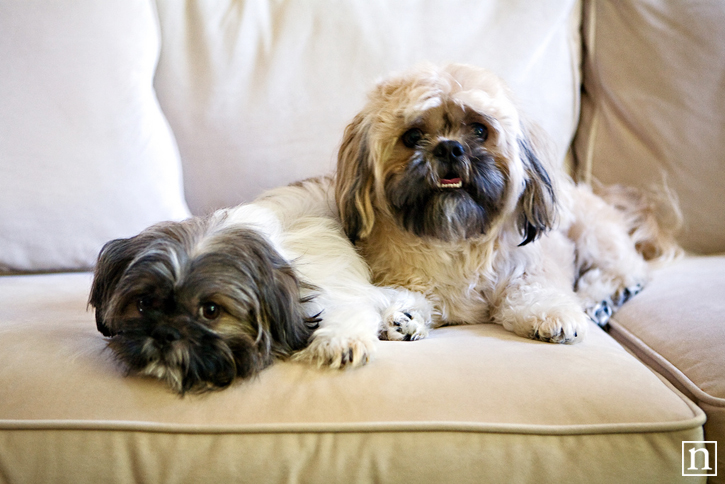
[(666, 365), (622, 428)]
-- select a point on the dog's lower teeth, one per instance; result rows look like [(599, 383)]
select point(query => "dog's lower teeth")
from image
[(450, 185)]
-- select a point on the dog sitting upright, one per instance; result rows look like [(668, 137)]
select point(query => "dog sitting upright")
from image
[(447, 191)]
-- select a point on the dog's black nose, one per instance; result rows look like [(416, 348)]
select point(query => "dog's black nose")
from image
[(449, 150), (165, 334)]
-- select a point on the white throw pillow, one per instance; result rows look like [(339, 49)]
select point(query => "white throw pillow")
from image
[(86, 154)]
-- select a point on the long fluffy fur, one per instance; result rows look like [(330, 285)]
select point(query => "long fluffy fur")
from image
[(458, 215), (354, 313), (448, 191), (652, 217), (283, 281), (198, 303)]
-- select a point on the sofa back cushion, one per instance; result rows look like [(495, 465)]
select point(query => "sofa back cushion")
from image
[(86, 154), (654, 105), (258, 93)]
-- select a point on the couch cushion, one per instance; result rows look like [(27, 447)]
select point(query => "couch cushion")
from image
[(468, 404), (258, 93), (85, 153), (684, 342), (654, 105)]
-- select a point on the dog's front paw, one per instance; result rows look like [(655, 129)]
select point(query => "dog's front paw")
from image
[(408, 317), (337, 352), (565, 328), (407, 325)]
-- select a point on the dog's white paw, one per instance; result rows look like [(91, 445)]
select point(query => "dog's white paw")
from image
[(405, 325), (566, 328), (408, 316), (337, 352)]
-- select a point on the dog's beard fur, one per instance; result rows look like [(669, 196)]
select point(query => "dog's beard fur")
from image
[(446, 186), (198, 304), (442, 167)]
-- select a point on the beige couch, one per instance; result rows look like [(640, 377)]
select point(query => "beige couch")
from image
[(106, 104)]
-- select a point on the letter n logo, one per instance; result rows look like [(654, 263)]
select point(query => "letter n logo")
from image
[(699, 458)]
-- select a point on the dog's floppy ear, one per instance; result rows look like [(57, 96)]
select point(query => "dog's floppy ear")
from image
[(354, 181), (283, 310), (537, 205), (113, 260), (266, 283)]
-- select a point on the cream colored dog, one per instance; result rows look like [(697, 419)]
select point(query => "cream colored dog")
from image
[(447, 191)]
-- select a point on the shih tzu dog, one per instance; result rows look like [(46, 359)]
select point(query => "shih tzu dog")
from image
[(198, 303), (448, 191), (457, 214), (202, 302)]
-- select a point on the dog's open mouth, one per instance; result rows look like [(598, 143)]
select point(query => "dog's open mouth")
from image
[(450, 183)]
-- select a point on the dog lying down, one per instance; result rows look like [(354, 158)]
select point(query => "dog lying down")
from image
[(446, 209)]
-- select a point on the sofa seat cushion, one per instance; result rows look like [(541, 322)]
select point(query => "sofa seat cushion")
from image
[(684, 342), (468, 404)]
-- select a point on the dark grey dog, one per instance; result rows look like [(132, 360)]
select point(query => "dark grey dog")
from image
[(198, 303)]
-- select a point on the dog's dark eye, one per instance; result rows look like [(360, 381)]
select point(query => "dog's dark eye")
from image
[(146, 303), (210, 310), (480, 130), (412, 137)]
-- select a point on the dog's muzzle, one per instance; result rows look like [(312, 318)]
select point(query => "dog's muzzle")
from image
[(450, 155)]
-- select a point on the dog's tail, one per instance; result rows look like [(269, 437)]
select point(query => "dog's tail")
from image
[(653, 218)]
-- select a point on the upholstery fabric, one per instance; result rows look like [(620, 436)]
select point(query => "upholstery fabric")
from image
[(86, 154), (259, 93), (469, 404), (654, 105), (684, 342)]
